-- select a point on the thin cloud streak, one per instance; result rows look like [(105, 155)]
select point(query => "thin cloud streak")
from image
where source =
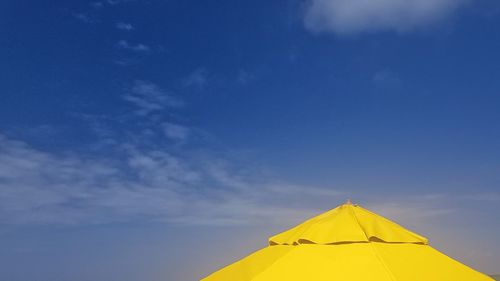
[(124, 44), (197, 79), (124, 26), (85, 18), (148, 97)]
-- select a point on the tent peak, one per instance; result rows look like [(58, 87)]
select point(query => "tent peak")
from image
[(348, 223)]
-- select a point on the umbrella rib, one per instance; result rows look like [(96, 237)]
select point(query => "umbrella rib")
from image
[(420, 237), (379, 258), (353, 214)]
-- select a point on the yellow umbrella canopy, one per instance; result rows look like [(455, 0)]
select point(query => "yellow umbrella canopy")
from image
[(348, 243)]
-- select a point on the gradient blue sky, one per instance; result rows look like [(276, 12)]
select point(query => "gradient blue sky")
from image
[(159, 140)]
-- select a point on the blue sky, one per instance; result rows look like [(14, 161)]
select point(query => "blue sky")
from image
[(160, 140)]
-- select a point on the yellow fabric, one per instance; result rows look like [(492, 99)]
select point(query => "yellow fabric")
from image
[(416, 263), (345, 251), (252, 265), (346, 223)]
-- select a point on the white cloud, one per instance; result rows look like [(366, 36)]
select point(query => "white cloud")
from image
[(136, 48), (244, 77), (354, 16), (147, 184), (149, 97), (198, 78), (133, 182), (124, 26), (85, 18), (97, 5), (132, 174), (126, 61), (136, 178), (101, 4), (176, 132)]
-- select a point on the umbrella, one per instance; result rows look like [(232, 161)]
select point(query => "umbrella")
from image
[(348, 243)]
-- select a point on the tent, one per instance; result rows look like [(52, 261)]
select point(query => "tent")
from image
[(348, 243)]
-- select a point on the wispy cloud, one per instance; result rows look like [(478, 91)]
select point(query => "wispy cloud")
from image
[(146, 184), (115, 2), (354, 16), (245, 77), (149, 97), (126, 61), (133, 181), (124, 44), (103, 3), (176, 132), (135, 178), (197, 79), (124, 26), (85, 18), (97, 5)]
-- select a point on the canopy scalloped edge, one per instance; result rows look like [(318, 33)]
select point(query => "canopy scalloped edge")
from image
[(347, 223)]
